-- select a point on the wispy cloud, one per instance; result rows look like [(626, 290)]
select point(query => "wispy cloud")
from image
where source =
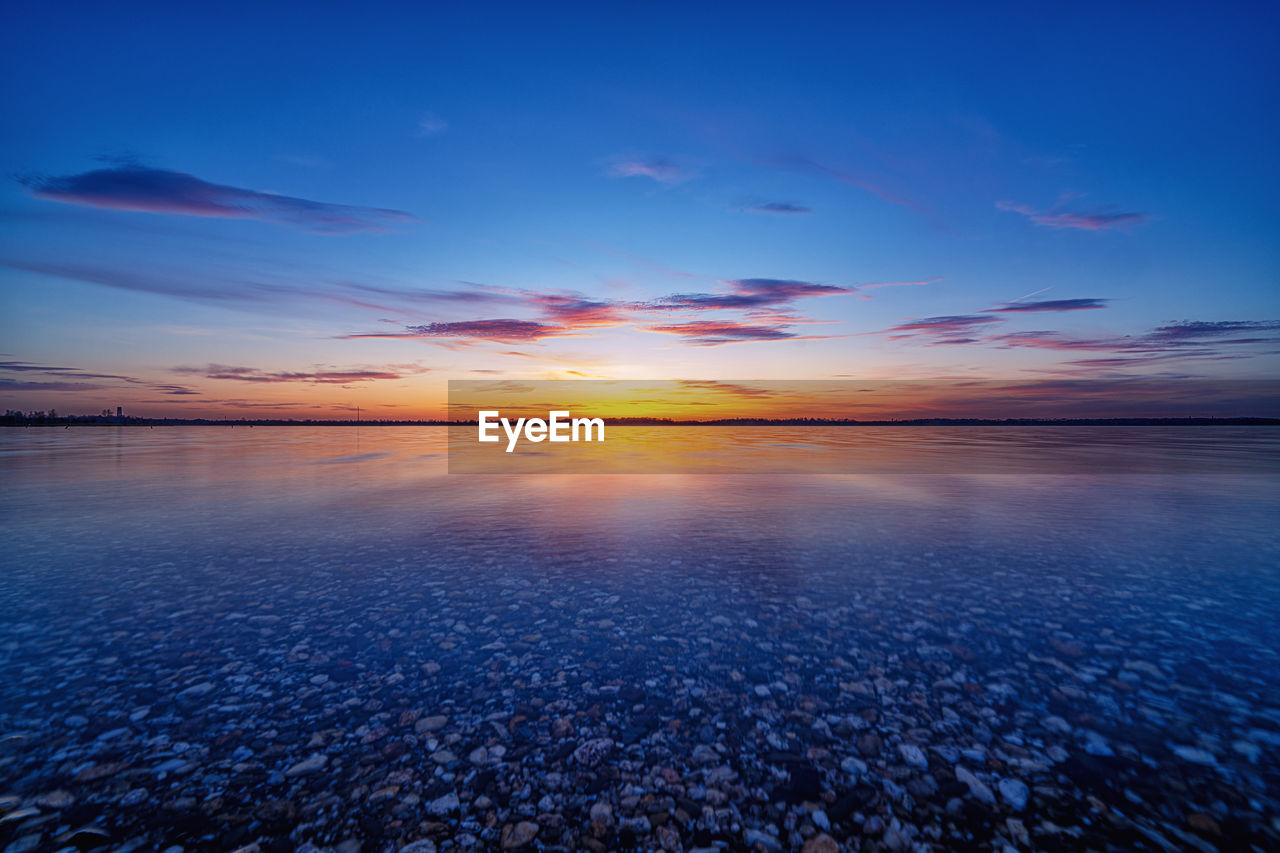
[(1189, 340), (59, 373), (750, 293), (950, 329), (332, 376), (1095, 220), (1191, 331), (1049, 305), (763, 301), (714, 333), (661, 169), (7, 384), (514, 315), (188, 287), (579, 311), (206, 287), (506, 331), (707, 333), (732, 389), (845, 176), (1047, 339), (431, 124), (1187, 336), (141, 188), (779, 208), (860, 288)]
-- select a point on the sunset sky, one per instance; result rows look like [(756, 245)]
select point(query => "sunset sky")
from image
[(221, 210)]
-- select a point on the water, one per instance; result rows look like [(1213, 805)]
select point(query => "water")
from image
[(192, 615)]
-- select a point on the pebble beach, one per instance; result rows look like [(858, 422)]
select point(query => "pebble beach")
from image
[(969, 664)]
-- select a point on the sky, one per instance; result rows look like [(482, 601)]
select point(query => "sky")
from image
[(225, 210)]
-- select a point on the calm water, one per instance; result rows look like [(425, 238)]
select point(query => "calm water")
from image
[(218, 636)]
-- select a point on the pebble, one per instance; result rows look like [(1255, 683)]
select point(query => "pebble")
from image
[(592, 752), (444, 805), (1014, 792), (764, 839), (1194, 755), (431, 724), (821, 843), (977, 787), (515, 836), (308, 765), (913, 756)]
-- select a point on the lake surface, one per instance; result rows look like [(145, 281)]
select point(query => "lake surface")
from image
[(213, 637)]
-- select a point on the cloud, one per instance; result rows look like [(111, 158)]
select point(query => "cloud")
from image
[(202, 287), (730, 388), (1098, 220), (189, 287), (498, 331), (318, 377), (1049, 305), (431, 125), (7, 384), (805, 164), (765, 301), (23, 367), (858, 289), (566, 314), (1200, 330), (1185, 340), (749, 293), (951, 329), (714, 333), (660, 169), (1092, 364), (779, 208), (578, 311), (1043, 339), (140, 188), (1187, 335), (708, 333), (61, 372)]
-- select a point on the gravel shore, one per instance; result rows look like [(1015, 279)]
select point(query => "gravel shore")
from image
[(666, 699)]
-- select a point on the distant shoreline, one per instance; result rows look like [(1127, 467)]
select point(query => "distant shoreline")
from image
[(99, 421)]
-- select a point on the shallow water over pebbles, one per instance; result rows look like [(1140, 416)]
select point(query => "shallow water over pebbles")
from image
[(217, 637)]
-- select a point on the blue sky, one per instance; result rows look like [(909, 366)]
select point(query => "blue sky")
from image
[(216, 209)]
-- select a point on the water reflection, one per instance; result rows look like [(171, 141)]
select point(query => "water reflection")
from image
[(194, 615)]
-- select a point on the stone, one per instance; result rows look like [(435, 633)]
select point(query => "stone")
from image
[(870, 745), (914, 756), (821, 843), (58, 799), (308, 765), (977, 787), (444, 805), (517, 835), (430, 724), (1194, 755), (1014, 792), (592, 752), (764, 839)]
